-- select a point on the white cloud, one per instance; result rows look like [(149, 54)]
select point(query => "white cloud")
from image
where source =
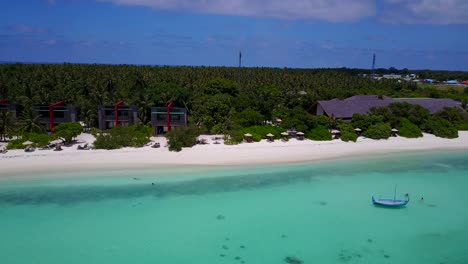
[(28, 29), (50, 42), (327, 10), (426, 12)]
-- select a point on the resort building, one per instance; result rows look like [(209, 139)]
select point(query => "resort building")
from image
[(116, 115), (391, 76), (361, 104), (159, 119), (6, 106), (55, 114)]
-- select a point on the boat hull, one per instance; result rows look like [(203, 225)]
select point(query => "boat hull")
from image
[(389, 202)]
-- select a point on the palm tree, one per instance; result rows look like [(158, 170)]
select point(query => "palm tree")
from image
[(29, 122), (6, 124), (89, 118)]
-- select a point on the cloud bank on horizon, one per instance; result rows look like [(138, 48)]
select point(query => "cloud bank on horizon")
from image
[(388, 11)]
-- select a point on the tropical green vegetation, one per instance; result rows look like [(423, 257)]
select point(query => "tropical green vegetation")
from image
[(119, 137), (263, 100), (441, 127), (319, 133), (7, 125), (378, 131), (38, 140), (185, 137), (409, 129), (347, 132), (67, 131)]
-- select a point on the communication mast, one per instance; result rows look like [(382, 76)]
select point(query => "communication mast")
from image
[(373, 67), (239, 70)]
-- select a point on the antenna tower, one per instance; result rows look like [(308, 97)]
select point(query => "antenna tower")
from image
[(239, 73), (373, 66)]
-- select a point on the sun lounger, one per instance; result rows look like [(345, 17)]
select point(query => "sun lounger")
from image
[(29, 149), (58, 148)]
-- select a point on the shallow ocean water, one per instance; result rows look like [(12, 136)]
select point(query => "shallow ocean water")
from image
[(317, 213)]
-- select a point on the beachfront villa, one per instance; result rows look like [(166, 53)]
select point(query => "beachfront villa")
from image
[(55, 114), (361, 104), (6, 106), (178, 118), (116, 115)]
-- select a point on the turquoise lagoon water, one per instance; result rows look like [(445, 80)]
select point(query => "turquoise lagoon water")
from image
[(317, 213)]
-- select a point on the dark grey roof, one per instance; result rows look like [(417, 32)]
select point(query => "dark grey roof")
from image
[(366, 97), (346, 108), (431, 104), (361, 104)]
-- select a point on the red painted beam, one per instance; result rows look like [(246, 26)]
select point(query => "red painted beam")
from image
[(116, 111), (51, 114), (168, 117)]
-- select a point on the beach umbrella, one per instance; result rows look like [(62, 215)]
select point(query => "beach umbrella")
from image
[(394, 130), (334, 131), (55, 142), (299, 133), (358, 130), (285, 134), (270, 135), (247, 135), (26, 143)]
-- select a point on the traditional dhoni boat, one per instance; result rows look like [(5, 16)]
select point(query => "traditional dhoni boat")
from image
[(391, 202)]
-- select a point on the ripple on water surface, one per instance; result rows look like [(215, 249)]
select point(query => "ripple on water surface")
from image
[(305, 213)]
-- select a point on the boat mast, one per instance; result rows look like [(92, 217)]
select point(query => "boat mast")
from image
[(394, 195)]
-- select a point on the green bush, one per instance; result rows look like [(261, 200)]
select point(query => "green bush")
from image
[(219, 129), (68, 131), (452, 114), (348, 136), (378, 131), (249, 117), (40, 140), (409, 130), (182, 138), (119, 137), (321, 120), (440, 127), (296, 118), (234, 137), (463, 126), (320, 133), (260, 132), (365, 121), (347, 132)]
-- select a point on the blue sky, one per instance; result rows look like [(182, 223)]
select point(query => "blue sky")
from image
[(414, 34)]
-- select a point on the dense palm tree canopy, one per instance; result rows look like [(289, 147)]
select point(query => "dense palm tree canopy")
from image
[(212, 95)]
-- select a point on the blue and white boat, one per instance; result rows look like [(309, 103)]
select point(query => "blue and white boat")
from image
[(391, 202)]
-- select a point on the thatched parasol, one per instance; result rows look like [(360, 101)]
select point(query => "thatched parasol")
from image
[(57, 141), (248, 135), (285, 134), (299, 133), (27, 143), (394, 130), (270, 135), (334, 131), (357, 129)]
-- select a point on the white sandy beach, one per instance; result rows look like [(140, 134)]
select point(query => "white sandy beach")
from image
[(71, 159)]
